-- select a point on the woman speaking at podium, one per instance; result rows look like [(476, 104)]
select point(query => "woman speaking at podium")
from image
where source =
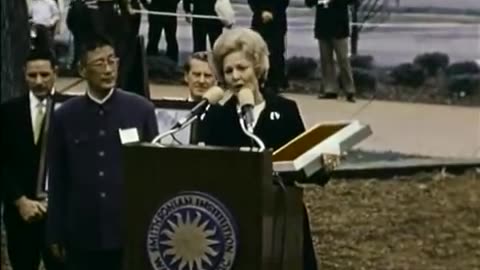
[(241, 60)]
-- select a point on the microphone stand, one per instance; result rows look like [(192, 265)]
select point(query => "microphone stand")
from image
[(172, 131), (249, 132)]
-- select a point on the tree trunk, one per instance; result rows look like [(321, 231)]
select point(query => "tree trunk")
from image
[(15, 42), (355, 29)]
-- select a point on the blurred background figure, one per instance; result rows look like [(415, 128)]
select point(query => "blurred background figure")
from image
[(201, 28), (80, 25), (270, 20), (332, 29), (167, 24), (45, 15)]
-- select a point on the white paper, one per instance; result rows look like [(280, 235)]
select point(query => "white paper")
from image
[(129, 135)]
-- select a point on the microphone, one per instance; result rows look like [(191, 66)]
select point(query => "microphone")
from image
[(212, 96), (246, 102)]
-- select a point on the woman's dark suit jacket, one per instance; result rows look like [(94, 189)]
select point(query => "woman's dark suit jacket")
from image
[(278, 123)]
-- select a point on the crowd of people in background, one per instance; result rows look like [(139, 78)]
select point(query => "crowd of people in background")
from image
[(120, 20)]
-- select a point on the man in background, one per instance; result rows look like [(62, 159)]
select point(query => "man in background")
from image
[(21, 141), (199, 75), (167, 24), (201, 28), (45, 14), (332, 30), (270, 21)]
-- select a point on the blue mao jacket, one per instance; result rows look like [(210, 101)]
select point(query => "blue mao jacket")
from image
[(85, 170)]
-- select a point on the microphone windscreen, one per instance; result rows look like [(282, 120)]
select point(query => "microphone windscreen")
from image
[(245, 97), (213, 95)]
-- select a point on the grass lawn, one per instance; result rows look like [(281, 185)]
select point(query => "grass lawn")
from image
[(420, 222)]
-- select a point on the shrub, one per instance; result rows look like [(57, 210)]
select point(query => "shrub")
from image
[(464, 85), (301, 67), (362, 61), (460, 68), (365, 80), (432, 62), (408, 75)]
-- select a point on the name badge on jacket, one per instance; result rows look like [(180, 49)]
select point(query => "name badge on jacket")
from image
[(128, 135)]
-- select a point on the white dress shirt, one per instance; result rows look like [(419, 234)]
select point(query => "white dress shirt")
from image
[(44, 12)]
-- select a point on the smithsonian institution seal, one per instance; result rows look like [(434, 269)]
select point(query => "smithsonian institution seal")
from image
[(192, 231)]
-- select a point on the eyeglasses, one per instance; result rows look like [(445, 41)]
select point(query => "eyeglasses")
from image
[(102, 63)]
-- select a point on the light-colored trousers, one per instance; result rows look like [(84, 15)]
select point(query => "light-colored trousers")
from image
[(340, 47)]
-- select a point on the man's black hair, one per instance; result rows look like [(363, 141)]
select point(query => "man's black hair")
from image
[(92, 43), (42, 54)]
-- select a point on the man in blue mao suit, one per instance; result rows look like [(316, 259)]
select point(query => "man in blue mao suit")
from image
[(86, 181)]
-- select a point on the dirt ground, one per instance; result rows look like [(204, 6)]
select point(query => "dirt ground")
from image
[(423, 222), (407, 223)]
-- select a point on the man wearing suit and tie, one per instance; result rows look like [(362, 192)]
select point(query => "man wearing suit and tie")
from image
[(22, 120)]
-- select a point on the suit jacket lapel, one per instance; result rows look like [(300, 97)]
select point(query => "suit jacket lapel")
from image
[(27, 114), (272, 126), (264, 125)]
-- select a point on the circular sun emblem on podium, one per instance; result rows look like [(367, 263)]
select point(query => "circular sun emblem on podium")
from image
[(192, 231)]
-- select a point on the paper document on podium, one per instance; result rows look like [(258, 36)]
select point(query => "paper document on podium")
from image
[(305, 151)]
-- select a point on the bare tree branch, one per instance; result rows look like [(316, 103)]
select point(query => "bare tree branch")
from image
[(369, 9), (364, 11), (374, 11)]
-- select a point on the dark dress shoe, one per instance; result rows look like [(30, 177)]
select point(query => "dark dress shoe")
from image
[(328, 96), (351, 97)]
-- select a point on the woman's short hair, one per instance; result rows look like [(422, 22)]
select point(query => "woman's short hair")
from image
[(247, 41)]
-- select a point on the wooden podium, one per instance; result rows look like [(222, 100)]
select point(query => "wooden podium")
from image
[(191, 207)]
